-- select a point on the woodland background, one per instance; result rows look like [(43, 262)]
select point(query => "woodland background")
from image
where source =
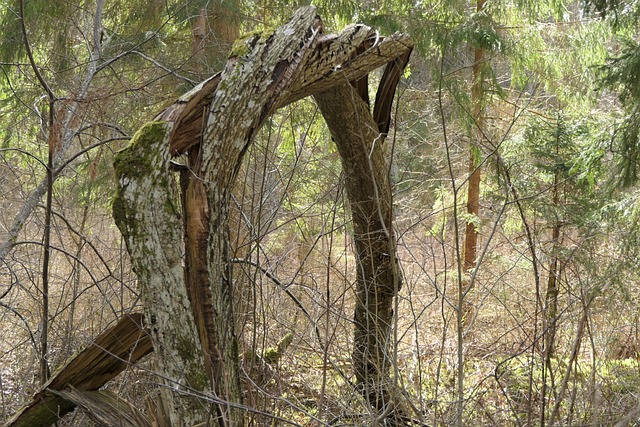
[(537, 102)]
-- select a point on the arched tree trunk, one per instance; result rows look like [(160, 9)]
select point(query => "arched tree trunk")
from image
[(359, 136), (217, 121)]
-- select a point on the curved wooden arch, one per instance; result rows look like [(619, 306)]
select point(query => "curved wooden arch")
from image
[(187, 309)]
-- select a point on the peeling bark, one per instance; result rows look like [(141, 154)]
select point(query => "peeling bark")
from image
[(248, 92), (332, 60)]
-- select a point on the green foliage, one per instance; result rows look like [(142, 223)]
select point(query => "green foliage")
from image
[(53, 30), (619, 13), (555, 164), (622, 74), (543, 10), (617, 379), (478, 31)]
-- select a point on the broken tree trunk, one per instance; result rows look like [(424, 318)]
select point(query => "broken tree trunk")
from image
[(147, 213), (110, 353), (250, 87), (105, 408), (221, 116), (369, 191)]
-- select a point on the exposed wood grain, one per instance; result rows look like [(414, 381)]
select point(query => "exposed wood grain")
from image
[(387, 90), (105, 408), (111, 352), (188, 114), (331, 60)]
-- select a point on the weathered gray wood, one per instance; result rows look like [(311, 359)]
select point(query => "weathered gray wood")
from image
[(110, 353), (105, 408), (331, 60), (250, 88)]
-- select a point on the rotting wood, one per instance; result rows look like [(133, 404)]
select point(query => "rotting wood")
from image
[(115, 349)]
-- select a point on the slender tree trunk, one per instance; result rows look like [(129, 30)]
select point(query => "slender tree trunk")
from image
[(575, 351), (44, 333), (54, 146), (551, 299), (536, 277), (68, 131), (465, 310), (76, 279), (369, 191), (550, 309), (473, 190)]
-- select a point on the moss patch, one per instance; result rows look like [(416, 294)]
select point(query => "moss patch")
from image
[(136, 159), (272, 355), (246, 42), (133, 163)]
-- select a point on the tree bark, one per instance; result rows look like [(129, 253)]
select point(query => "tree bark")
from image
[(465, 310), (473, 191), (249, 89), (368, 188), (146, 212), (550, 308)]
